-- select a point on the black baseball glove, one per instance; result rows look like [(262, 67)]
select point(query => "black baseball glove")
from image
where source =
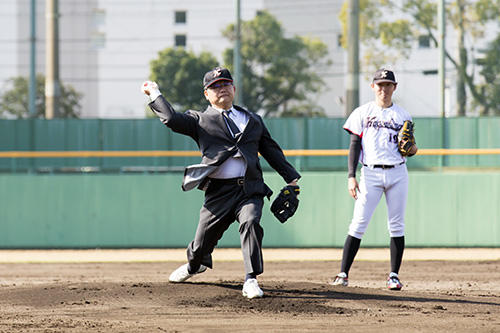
[(286, 203), (406, 139)]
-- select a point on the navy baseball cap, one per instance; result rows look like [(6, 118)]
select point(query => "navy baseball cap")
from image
[(216, 74), (384, 75)]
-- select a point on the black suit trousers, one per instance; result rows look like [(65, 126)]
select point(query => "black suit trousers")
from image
[(223, 205)]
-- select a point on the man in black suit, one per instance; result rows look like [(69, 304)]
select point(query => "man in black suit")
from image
[(230, 138)]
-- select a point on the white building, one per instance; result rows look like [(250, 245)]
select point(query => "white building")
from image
[(106, 47)]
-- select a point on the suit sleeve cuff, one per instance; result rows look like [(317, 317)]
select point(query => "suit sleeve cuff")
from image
[(154, 95)]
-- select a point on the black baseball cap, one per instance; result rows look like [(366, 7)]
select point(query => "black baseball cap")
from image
[(216, 74), (384, 75)]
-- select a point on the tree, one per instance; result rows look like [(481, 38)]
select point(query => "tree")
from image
[(179, 74), (490, 70), (385, 25), (277, 72), (15, 101)]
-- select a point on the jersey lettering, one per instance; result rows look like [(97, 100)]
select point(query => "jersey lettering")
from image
[(391, 124)]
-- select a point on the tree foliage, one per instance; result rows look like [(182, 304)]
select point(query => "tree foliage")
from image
[(277, 72), (14, 102), (490, 70), (389, 30), (179, 74)]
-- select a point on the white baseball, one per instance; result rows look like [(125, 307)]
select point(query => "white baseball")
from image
[(148, 86)]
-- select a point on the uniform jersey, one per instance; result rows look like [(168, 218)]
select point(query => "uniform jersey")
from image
[(378, 128)]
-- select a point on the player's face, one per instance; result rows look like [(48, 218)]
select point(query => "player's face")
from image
[(383, 93), (221, 94)]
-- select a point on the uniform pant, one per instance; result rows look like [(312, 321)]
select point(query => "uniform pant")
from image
[(224, 204), (373, 183)]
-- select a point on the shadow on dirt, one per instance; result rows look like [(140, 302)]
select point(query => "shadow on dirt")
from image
[(314, 298)]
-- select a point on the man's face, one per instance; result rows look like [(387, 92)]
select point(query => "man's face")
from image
[(383, 92), (221, 94)]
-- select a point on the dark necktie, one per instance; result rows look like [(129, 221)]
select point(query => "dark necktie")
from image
[(231, 123)]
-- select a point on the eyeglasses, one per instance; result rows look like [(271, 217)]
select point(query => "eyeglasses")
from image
[(220, 85)]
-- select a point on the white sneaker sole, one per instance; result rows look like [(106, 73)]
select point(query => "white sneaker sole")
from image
[(252, 297)]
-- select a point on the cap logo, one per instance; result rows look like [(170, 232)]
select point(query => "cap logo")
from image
[(217, 72), (384, 74)]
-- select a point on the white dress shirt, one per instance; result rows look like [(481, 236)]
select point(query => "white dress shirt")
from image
[(235, 165)]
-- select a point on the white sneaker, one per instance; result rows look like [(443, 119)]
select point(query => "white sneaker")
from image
[(393, 283), (251, 289), (181, 274), (340, 280)]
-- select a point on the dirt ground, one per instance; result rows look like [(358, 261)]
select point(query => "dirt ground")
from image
[(112, 296)]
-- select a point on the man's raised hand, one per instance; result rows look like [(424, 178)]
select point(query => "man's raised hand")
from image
[(151, 89)]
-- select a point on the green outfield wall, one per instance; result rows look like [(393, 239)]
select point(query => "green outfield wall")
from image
[(445, 209), (290, 133)]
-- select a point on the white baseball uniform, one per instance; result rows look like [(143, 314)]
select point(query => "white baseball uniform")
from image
[(384, 169)]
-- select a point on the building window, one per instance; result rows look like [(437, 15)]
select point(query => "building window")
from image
[(98, 17), (339, 40), (97, 40), (424, 42), (180, 40), (180, 17)]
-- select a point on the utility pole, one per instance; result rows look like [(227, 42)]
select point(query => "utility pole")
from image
[(52, 87), (32, 80), (442, 76), (441, 42), (462, 60), (237, 55), (352, 93)]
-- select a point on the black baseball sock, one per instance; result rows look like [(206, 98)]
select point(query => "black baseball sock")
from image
[(351, 247), (397, 249), (250, 276)]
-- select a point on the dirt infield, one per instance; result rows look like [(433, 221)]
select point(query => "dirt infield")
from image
[(127, 291)]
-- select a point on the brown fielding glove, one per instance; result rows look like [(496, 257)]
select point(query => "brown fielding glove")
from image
[(406, 139), (286, 203)]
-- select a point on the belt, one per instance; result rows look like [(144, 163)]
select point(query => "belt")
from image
[(240, 181), (383, 166)]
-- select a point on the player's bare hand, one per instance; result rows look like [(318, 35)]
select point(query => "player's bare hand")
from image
[(150, 88), (353, 187)]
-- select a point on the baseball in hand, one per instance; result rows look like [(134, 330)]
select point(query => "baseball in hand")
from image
[(148, 87), (413, 150)]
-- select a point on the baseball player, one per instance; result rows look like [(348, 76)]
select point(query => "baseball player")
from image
[(374, 129)]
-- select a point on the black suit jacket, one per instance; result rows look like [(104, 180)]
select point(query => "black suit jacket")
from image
[(208, 129)]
